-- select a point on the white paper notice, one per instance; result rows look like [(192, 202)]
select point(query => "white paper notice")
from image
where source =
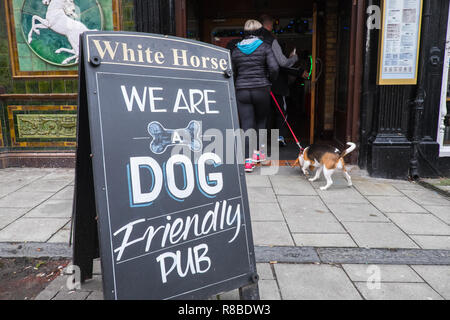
[(401, 39)]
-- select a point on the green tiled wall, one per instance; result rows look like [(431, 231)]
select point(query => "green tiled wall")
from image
[(33, 86)]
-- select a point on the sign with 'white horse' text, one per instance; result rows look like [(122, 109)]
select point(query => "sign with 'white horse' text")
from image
[(172, 212)]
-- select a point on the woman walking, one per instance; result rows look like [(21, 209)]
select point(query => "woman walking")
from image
[(254, 66)]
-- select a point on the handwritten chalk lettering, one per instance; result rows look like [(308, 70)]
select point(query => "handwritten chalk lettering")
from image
[(185, 228), (197, 262), (209, 184), (142, 99), (200, 101), (196, 98)]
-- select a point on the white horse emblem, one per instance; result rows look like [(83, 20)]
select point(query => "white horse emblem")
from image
[(60, 18)]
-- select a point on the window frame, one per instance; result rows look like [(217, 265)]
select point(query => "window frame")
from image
[(444, 150)]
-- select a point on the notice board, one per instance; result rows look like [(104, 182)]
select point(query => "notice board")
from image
[(172, 211), (399, 42)]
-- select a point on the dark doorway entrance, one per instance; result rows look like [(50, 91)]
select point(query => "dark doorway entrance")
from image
[(321, 109)]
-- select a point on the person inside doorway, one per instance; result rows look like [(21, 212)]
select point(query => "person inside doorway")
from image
[(280, 87), (254, 67)]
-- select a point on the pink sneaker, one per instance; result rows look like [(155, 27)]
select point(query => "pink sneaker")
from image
[(248, 165), (255, 157), (263, 159), (262, 156)]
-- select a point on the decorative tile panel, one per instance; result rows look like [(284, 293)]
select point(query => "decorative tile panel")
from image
[(47, 126), (42, 126)]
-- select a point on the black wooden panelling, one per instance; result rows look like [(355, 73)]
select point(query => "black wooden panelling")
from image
[(155, 16)]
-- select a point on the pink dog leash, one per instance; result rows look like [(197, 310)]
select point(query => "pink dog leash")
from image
[(285, 120)]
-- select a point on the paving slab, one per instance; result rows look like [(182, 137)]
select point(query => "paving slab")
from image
[(261, 195), (313, 222), (339, 182), (421, 224), (20, 177), (95, 296), (64, 194), (271, 233), (264, 271), (442, 212), (52, 209), (406, 185), (427, 197), (71, 295), (345, 195), (323, 240), (387, 273), (258, 181), (21, 199), (432, 242), (229, 296), (265, 211), (62, 236), (371, 188), (9, 215), (53, 288), (314, 282), (401, 204), (43, 185), (268, 290), (399, 291), (32, 229), (299, 204), (60, 174), (437, 277), (378, 235), (350, 212), (286, 185), (9, 187), (308, 214)]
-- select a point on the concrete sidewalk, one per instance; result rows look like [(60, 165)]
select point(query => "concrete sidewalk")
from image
[(345, 228)]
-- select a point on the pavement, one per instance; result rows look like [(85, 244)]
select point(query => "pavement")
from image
[(380, 239)]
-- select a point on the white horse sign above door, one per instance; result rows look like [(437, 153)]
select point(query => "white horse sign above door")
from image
[(64, 24), (44, 34)]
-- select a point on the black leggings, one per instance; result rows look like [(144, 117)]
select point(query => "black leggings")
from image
[(253, 107)]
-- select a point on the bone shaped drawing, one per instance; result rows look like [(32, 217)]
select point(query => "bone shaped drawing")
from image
[(163, 138)]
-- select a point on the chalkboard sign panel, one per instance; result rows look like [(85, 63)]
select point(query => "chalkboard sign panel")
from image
[(170, 197)]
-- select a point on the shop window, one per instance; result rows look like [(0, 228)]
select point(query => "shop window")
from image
[(444, 118)]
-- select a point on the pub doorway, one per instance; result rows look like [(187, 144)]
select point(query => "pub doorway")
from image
[(321, 32)]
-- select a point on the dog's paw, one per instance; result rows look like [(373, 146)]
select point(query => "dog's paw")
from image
[(323, 188), (311, 179)]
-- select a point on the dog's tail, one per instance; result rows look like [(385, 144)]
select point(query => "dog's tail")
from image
[(350, 149)]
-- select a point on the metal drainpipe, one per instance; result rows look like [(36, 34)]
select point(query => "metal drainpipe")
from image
[(420, 98)]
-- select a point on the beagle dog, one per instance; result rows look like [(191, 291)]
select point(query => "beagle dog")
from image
[(325, 158)]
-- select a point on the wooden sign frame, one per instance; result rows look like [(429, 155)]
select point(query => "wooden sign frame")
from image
[(397, 80)]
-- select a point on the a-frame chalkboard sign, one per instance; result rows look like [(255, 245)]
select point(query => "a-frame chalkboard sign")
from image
[(160, 195)]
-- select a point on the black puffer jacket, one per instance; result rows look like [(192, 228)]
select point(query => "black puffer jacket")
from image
[(254, 70)]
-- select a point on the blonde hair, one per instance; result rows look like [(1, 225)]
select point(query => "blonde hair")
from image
[(252, 25)]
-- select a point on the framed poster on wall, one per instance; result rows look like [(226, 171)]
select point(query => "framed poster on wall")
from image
[(44, 34), (398, 56)]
